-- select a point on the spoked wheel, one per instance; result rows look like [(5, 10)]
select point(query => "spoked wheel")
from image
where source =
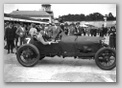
[(28, 55), (105, 58)]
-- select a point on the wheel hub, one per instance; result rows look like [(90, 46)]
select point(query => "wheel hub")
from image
[(106, 58), (27, 55)]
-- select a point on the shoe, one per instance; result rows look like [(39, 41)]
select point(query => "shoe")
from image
[(8, 52)]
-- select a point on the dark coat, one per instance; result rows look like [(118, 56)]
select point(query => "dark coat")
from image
[(9, 33), (112, 39)]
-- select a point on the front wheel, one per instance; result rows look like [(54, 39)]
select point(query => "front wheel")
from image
[(28, 55), (105, 58)]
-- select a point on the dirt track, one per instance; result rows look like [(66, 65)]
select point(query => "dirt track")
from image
[(56, 70)]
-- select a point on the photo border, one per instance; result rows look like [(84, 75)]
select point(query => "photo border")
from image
[(64, 85)]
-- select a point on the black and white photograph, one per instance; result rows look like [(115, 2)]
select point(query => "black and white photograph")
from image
[(60, 43)]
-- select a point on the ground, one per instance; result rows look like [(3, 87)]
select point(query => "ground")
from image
[(56, 69)]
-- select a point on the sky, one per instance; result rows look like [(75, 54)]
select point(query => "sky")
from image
[(64, 9)]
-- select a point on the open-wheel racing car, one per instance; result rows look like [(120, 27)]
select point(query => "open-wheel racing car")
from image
[(85, 47)]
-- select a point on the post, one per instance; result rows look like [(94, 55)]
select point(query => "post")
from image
[(105, 21)]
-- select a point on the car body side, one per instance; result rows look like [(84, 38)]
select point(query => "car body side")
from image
[(71, 46)]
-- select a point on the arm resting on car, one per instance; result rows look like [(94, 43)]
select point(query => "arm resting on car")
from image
[(40, 38)]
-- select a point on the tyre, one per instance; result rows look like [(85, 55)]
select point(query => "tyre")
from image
[(41, 57), (105, 58), (28, 55)]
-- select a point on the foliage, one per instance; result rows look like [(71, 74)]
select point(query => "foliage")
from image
[(91, 17)]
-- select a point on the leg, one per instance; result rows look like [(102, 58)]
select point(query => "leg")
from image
[(16, 41), (8, 46), (23, 39), (20, 41), (12, 45)]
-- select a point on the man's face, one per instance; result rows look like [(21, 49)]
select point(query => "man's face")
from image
[(10, 25), (42, 32)]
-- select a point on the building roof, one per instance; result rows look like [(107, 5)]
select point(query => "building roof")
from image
[(46, 5), (21, 18), (17, 16), (31, 13)]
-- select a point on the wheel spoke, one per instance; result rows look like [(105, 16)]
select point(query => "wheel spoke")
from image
[(27, 55), (23, 59), (106, 58), (112, 58)]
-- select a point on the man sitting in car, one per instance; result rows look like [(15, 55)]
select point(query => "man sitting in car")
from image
[(40, 37)]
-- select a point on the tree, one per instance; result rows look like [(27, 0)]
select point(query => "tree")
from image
[(91, 17), (95, 17), (110, 17)]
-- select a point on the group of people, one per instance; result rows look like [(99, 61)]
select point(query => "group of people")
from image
[(77, 29), (15, 32)]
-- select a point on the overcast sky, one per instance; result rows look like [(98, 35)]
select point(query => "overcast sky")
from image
[(64, 9)]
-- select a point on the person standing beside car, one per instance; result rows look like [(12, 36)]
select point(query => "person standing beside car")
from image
[(32, 30), (10, 36), (14, 28), (21, 32), (112, 38)]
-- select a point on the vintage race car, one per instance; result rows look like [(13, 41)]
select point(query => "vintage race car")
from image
[(82, 47)]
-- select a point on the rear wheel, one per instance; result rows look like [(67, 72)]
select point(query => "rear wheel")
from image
[(28, 55), (105, 58)]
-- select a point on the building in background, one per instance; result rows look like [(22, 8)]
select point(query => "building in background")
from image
[(44, 15)]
